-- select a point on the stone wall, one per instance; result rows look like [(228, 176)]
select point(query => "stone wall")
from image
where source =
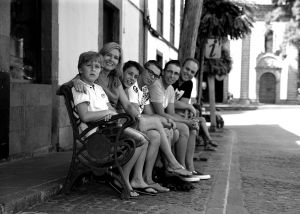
[(30, 118)]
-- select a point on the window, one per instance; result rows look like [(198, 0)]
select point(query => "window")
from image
[(25, 40), (269, 41), (172, 22), (160, 16), (159, 58)]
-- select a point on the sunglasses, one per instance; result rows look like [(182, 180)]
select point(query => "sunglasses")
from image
[(152, 74)]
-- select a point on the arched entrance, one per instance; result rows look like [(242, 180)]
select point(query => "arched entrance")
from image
[(268, 77), (267, 88)]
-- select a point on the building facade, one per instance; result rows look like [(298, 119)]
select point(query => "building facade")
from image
[(40, 45), (264, 73)]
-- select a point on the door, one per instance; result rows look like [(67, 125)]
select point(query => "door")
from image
[(4, 114), (111, 25), (267, 88)]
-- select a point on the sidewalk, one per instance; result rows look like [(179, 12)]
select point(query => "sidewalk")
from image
[(27, 182)]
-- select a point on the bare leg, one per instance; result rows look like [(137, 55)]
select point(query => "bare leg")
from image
[(181, 144), (137, 160), (190, 151), (151, 156), (204, 127), (129, 165), (137, 177), (207, 136)]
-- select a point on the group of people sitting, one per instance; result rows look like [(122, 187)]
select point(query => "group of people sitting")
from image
[(157, 98)]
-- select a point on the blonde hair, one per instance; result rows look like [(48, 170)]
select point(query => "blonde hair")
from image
[(107, 48)]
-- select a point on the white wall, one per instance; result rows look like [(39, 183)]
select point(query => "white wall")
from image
[(234, 77), (257, 47), (78, 32), (130, 31), (155, 44)]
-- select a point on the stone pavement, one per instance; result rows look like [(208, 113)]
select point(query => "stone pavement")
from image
[(27, 182)]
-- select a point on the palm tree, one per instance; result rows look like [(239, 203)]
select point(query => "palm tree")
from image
[(220, 19)]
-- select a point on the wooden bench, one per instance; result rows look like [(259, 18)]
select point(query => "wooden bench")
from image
[(104, 151)]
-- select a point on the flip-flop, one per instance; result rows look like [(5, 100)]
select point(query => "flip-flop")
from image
[(119, 189), (143, 190), (158, 187)]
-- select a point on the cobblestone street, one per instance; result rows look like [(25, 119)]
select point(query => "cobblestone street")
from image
[(270, 171), (254, 171), (99, 198), (269, 158)]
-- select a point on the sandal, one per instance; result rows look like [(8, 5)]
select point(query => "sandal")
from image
[(158, 187), (180, 171), (116, 187), (145, 190)]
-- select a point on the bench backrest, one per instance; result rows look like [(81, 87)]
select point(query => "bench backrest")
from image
[(66, 91)]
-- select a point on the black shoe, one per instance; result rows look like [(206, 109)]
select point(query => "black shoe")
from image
[(212, 144), (209, 148)]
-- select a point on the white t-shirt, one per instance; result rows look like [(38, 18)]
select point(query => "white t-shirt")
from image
[(96, 99), (138, 96), (159, 94)]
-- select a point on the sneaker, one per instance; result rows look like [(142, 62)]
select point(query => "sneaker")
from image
[(200, 175), (189, 178)]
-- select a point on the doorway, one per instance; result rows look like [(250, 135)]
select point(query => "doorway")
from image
[(267, 88), (219, 90), (111, 23)]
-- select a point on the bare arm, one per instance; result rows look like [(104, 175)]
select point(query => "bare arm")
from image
[(169, 114), (148, 110), (78, 84), (89, 116), (129, 108), (184, 104)]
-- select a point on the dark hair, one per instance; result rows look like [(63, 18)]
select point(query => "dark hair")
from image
[(88, 56), (153, 62), (191, 59), (174, 62), (134, 64)]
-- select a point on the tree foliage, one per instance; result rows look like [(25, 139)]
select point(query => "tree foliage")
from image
[(222, 18)]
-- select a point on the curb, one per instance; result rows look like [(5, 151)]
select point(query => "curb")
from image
[(226, 195), (234, 203), (33, 195), (217, 200)]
